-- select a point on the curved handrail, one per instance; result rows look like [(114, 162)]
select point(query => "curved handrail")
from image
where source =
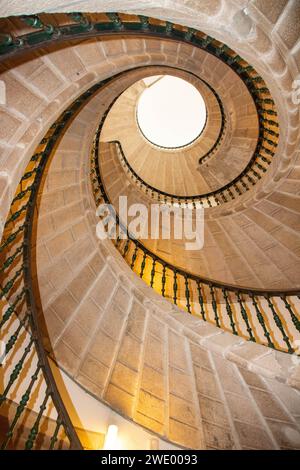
[(182, 287), (18, 287), (87, 26)]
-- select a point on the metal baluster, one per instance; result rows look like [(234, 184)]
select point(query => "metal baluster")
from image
[(114, 17), (163, 280), (152, 272), (21, 407), (11, 309), (262, 321), (295, 320), (133, 259), (175, 286), (35, 428), (8, 286), (143, 265), (245, 317), (11, 259), (16, 371), (214, 304), (279, 324), (187, 293), (229, 311), (55, 434), (144, 21), (201, 301)]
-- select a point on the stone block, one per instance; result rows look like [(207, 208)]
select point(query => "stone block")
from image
[(136, 321), (217, 437), (112, 321), (153, 382), (154, 353), (253, 437), (268, 405), (270, 9), (129, 352), (124, 378), (66, 358), (151, 406), (104, 287), (94, 370), (87, 315), (184, 435), (64, 306), (149, 423), (119, 400), (213, 411), (180, 383), (182, 410)]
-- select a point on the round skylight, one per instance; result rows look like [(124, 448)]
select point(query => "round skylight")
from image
[(170, 112)]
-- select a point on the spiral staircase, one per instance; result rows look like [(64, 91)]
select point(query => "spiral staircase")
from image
[(197, 349)]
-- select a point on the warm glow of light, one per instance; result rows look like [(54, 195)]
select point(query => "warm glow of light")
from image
[(171, 112), (111, 438)]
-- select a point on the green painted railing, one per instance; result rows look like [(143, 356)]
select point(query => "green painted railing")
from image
[(266, 317), (20, 325), (18, 289)]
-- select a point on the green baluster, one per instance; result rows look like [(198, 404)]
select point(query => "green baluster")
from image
[(114, 17), (268, 121), (279, 324), (262, 168), (16, 215), (11, 259), (255, 174), (187, 293), (163, 280), (13, 338), (169, 27), (244, 185), (11, 309), (133, 259), (295, 320), (265, 149), (54, 438), (21, 194), (245, 317), (35, 428), (143, 265), (214, 304), (16, 371), (237, 189), (126, 247), (80, 18), (152, 272), (229, 311), (33, 21), (262, 90), (217, 200), (144, 21), (201, 300), (264, 159), (189, 34), (206, 41), (21, 407), (175, 286), (250, 179), (8, 286), (262, 321), (6, 40), (270, 132), (230, 193), (223, 197)]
